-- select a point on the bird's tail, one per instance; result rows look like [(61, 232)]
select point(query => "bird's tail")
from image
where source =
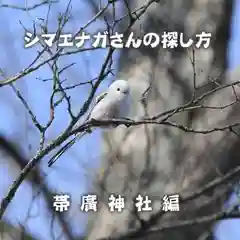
[(64, 149)]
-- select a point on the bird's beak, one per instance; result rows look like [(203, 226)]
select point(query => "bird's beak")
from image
[(126, 92)]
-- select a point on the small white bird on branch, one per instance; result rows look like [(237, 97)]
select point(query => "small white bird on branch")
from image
[(112, 104)]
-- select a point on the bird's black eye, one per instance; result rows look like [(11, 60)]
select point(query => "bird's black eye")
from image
[(118, 89)]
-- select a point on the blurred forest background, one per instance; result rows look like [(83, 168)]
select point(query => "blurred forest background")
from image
[(190, 96)]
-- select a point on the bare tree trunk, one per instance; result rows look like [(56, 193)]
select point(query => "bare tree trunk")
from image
[(155, 160)]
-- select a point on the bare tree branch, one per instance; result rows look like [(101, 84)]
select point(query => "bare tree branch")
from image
[(36, 179), (28, 8)]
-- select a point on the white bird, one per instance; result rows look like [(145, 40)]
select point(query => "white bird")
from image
[(114, 103)]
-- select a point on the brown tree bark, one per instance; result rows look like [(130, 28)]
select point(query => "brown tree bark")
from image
[(155, 160)]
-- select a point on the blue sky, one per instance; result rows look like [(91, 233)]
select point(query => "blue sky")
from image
[(16, 125)]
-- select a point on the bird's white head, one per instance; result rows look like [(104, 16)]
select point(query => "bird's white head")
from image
[(119, 87)]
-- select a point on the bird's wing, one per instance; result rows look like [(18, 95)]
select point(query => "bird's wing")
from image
[(100, 97)]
